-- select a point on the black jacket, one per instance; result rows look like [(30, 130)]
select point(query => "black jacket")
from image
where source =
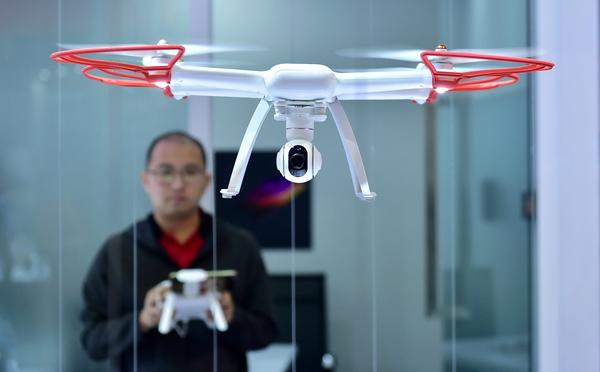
[(109, 292)]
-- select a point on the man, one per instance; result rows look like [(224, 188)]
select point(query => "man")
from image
[(122, 294)]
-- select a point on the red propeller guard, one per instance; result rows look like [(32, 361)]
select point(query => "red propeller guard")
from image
[(483, 79), (126, 74)]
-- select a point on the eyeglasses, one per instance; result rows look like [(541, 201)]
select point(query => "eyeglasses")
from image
[(168, 175)]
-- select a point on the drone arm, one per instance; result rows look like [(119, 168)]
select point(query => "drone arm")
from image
[(366, 82), (184, 91), (166, 319), (243, 156), (217, 313), (417, 95), (208, 78), (357, 169)]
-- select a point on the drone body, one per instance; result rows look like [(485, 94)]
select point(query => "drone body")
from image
[(301, 94), (299, 82), (191, 296)]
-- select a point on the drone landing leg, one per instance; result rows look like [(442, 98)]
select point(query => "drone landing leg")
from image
[(243, 156), (357, 169)]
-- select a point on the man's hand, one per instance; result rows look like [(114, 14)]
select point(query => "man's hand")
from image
[(227, 305), (150, 315)]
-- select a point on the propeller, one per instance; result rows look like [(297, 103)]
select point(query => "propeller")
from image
[(199, 275), (191, 50), (414, 55), (393, 69)]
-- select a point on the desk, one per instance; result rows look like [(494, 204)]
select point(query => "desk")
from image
[(274, 358), (495, 354)]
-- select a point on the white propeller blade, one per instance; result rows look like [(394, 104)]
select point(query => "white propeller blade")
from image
[(191, 50), (139, 53), (414, 55)]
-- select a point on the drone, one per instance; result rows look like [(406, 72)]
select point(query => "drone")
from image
[(192, 296), (301, 94)]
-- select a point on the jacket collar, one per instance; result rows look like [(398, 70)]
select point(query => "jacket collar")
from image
[(148, 232)]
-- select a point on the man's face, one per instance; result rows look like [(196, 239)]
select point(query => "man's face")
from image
[(175, 178)]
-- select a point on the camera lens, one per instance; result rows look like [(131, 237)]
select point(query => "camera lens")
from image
[(297, 160)]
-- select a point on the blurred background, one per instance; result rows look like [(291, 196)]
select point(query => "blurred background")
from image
[(435, 275)]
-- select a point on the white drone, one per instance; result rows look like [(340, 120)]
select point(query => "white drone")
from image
[(192, 295), (301, 93)]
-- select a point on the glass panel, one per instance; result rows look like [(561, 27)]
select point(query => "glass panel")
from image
[(71, 154), (371, 255), (29, 172), (410, 261), (104, 134), (484, 228)]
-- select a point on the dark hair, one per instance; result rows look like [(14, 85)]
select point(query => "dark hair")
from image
[(174, 134)]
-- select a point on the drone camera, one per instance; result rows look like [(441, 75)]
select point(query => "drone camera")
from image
[(298, 161)]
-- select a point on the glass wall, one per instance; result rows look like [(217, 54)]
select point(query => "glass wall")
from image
[(72, 154), (433, 275), (436, 269), (483, 217)]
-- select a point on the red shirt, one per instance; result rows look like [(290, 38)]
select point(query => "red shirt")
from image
[(182, 254)]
